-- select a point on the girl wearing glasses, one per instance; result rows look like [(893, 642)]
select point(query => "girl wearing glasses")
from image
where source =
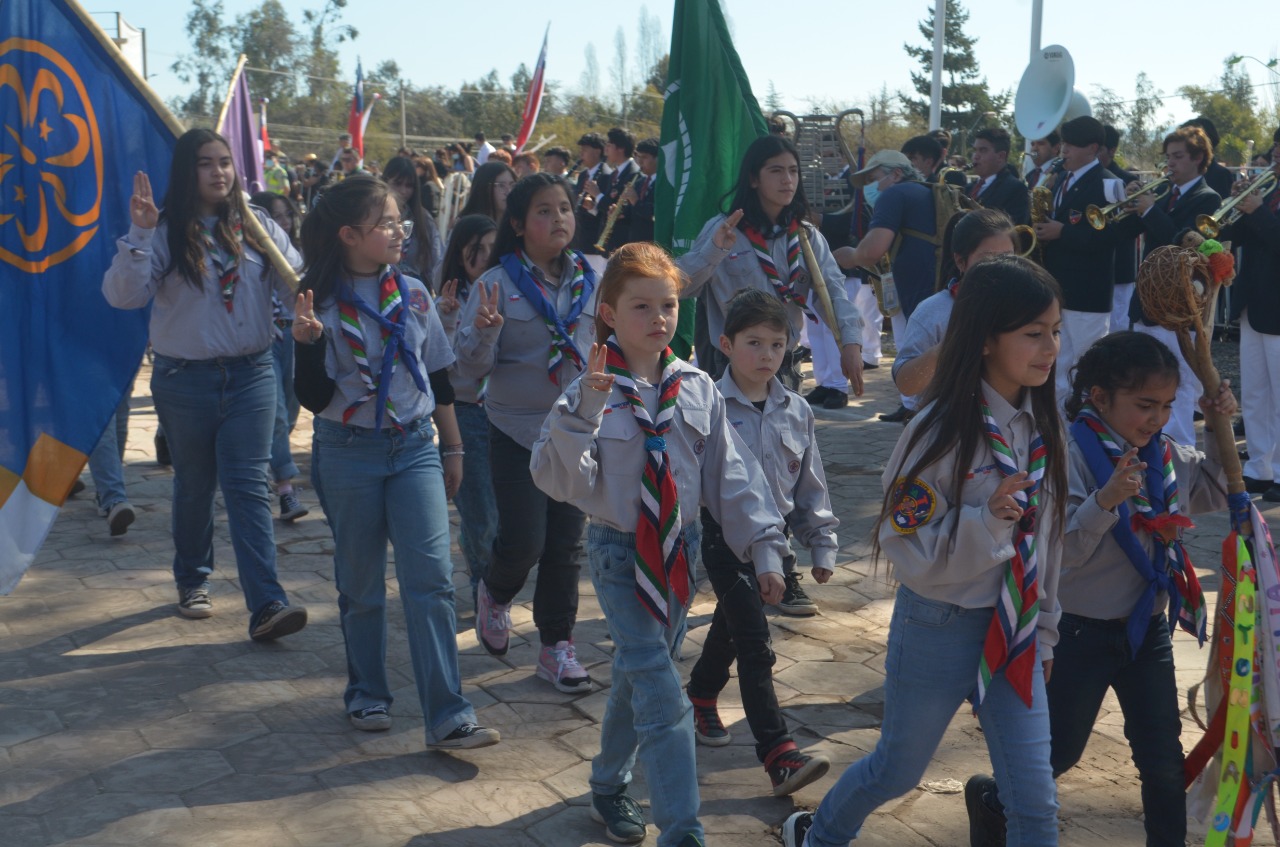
[(213, 383), (372, 364)]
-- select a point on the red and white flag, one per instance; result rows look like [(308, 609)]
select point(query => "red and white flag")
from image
[(262, 121), (533, 102)]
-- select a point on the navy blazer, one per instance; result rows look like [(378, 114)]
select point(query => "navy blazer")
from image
[(1082, 259), (1126, 248), (1258, 286), (1161, 225), (589, 225), (1008, 193)]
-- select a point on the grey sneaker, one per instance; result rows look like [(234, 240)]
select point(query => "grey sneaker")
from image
[(277, 620), (371, 719), (468, 736), (623, 821), (119, 517), (195, 603), (290, 508), (795, 601)]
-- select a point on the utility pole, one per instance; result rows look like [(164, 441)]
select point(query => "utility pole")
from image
[(939, 32)]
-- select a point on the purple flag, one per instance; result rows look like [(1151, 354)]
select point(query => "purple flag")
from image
[(238, 127)]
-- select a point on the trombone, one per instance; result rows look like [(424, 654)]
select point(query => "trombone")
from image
[(1210, 225), (1100, 218)]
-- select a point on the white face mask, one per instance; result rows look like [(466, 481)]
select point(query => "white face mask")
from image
[(871, 192)]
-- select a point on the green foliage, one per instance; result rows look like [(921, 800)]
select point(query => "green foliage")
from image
[(1233, 109)]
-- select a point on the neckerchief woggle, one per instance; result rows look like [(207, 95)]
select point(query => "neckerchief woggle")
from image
[(1157, 514), (561, 329), (390, 318)]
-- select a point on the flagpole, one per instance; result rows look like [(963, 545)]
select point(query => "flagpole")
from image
[(231, 90)]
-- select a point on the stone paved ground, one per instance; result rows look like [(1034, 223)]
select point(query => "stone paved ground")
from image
[(122, 723)]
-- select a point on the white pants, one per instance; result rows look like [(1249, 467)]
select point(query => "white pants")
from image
[(1079, 331), (1182, 425), (827, 372), (1120, 298), (1260, 399), (863, 298), (899, 324)]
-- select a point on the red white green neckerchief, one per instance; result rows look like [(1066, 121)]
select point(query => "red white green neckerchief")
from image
[(225, 264), (953, 286), (786, 289), (390, 317), (662, 571), (1156, 511), (581, 286), (1011, 638)]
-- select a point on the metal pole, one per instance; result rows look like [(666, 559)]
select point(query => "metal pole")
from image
[(404, 139), (939, 33), (1037, 17)]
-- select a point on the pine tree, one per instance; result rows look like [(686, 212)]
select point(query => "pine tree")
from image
[(965, 93)]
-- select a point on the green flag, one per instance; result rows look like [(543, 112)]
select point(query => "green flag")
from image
[(709, 118)]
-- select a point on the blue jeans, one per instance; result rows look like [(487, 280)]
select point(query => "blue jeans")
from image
[(217, 416), (930, 668), (477, 511), (1092, 656), (283, 467), (647, 709), (380, 486), (106, 468)]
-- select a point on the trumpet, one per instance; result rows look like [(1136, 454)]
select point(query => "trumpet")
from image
[(614, 214), (1100, 218), (1210, 225)]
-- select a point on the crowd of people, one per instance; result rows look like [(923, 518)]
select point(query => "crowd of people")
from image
[(517, 358)]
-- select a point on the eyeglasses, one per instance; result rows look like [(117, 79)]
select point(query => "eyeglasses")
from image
[(389, 227)]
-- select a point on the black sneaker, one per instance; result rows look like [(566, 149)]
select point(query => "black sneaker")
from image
[(708, 729), (899, 415), (837, 399), (467, 736), (986, 822), (277, 620), (119, 518), (795, 828), (818, 395), (869, 366), (1272, 494), (290, 508), (162, 450), (801, 354), (76, 487), (195, 603), (623, 821), (1238, 427), (790, 770), (371, 719), (1256, 486), (795, 601)]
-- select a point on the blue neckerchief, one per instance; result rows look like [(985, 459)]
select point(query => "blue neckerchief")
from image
[(393, 346), (1156, 573), (534, 293)]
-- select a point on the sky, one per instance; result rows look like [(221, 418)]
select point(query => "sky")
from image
[(840, 51)]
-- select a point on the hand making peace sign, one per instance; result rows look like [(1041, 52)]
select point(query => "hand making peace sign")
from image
[(488, 315), (306, 328), (597, 377)]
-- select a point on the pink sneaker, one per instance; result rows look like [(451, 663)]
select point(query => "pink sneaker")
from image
[(559, 666), (493, 622)]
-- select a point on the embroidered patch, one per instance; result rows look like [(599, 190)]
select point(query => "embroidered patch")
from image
[(793, 467), (699, 446), (418, 300), (985, 469), (513, 298), (916, 502), (1074, 217), (736, 424)]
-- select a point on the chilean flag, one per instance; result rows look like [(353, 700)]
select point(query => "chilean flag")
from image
[(355, 119), (533, 102)]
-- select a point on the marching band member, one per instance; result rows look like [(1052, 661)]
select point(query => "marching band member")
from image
[(1126, 268), (998, 187), (1043, 151)]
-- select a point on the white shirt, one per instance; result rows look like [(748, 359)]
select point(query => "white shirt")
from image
[(482, 155)]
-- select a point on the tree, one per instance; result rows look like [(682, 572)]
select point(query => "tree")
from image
[(619, 70), (1233, 110), (210, 63), (1107, 107), (649, 44), (965, 93), (589, 83), (1143, 128), (772, 100), (269, 40)]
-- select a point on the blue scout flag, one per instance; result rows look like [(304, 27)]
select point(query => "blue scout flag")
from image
[(77, 124)]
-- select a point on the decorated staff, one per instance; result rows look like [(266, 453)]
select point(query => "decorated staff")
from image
[(1178, 287)]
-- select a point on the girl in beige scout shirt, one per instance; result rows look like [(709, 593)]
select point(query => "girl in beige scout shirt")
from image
[(638, 442), (972, 522)]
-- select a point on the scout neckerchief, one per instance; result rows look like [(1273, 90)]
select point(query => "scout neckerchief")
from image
[(390, 317), (520, 271), (1011, 638), (661, 568), (1156, 513), (953, 286), (786, 289), (224, 261)]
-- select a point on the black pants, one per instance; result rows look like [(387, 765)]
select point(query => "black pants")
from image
[(739, 630), (533, 530)]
